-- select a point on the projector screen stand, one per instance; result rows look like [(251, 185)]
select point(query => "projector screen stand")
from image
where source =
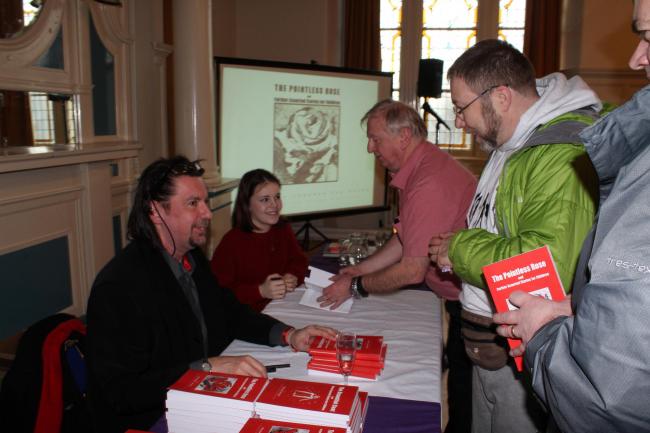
[(306, 227)]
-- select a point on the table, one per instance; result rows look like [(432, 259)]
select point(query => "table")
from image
[(406, 398), (409, 322)]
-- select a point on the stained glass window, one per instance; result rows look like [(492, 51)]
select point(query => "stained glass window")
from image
[(30, 11), (390, 35), (449, 27), (512, 18)]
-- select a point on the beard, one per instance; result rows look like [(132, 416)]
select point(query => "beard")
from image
[(488, 141), (199, 240)]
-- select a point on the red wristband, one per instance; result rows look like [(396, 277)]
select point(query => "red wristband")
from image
[(285, 336)]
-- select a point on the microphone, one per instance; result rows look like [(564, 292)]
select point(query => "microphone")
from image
[(427, 108)]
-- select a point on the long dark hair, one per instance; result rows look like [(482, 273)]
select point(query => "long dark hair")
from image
[(241, 216), (156, 183)]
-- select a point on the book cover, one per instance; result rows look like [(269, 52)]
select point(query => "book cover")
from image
[(220, 385), (369, 347), (260, 425), (533, 272), (297, 395)]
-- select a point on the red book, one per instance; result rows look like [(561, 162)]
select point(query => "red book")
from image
[(379, 365), (366, 365), (369, 347), (366, 373), (363, 399), (307, 401), (357, 422), (221, 389), (259, 425), (533, 272)]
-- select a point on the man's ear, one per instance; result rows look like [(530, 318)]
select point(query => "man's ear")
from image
[(154, 213), (404, 138), (502, 98)]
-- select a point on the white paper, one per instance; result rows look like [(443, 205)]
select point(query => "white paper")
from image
[(319, 279)]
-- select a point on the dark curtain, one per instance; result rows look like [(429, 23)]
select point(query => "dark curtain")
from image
[(362, 47), (542, 35)]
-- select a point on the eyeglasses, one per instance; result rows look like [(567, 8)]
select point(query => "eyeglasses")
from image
[(458, 111)]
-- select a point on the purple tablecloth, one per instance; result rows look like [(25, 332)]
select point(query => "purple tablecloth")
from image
[(385, 415)]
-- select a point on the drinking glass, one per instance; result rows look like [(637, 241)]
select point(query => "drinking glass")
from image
[(344, 255), (381, 237), (346, 346), (358, 247)]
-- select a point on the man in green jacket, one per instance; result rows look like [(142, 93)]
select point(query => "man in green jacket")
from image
[(538, 188)]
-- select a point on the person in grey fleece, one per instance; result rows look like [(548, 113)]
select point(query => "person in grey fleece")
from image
[(590, 355)]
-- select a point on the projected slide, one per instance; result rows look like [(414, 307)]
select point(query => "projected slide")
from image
[(303, 124), (306, 142)]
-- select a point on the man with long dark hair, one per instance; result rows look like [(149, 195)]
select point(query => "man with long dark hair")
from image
[(155, 310)]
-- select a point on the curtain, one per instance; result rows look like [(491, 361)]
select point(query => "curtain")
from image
[(362, 46), (542, 35)]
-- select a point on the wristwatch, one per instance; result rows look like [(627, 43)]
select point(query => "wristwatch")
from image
[(356, 288), (206, 366)]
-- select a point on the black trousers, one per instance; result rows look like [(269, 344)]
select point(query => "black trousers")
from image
[(459, 382)]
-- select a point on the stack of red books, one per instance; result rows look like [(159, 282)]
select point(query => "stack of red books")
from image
[(202, 402), (368, 362), (325, 404), (208, 402)]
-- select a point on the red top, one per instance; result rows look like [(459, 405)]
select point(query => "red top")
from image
[(243, 260), (435, 192)]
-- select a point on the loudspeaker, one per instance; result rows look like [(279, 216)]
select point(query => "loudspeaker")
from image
[(430, 78)]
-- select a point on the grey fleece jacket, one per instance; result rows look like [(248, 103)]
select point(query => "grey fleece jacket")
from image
[(592, 370)]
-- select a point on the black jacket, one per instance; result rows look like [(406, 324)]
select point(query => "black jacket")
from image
[(142, 334)]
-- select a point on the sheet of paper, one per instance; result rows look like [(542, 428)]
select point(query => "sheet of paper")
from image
[(309, 300), (317, 280)]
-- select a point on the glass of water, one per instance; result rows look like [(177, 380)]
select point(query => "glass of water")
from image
[(346, 346)]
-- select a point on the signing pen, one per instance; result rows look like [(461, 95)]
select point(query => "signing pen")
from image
[(272, 368)]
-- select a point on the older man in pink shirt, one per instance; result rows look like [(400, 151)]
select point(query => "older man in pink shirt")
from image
[(435, 192)]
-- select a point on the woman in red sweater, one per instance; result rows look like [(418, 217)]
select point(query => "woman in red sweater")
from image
[(259, 259)]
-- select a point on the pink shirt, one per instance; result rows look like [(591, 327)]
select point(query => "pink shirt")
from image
[(435, 192)]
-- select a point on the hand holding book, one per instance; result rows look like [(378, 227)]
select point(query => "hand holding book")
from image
[(533, 313), (533, 272), (300, 339)]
